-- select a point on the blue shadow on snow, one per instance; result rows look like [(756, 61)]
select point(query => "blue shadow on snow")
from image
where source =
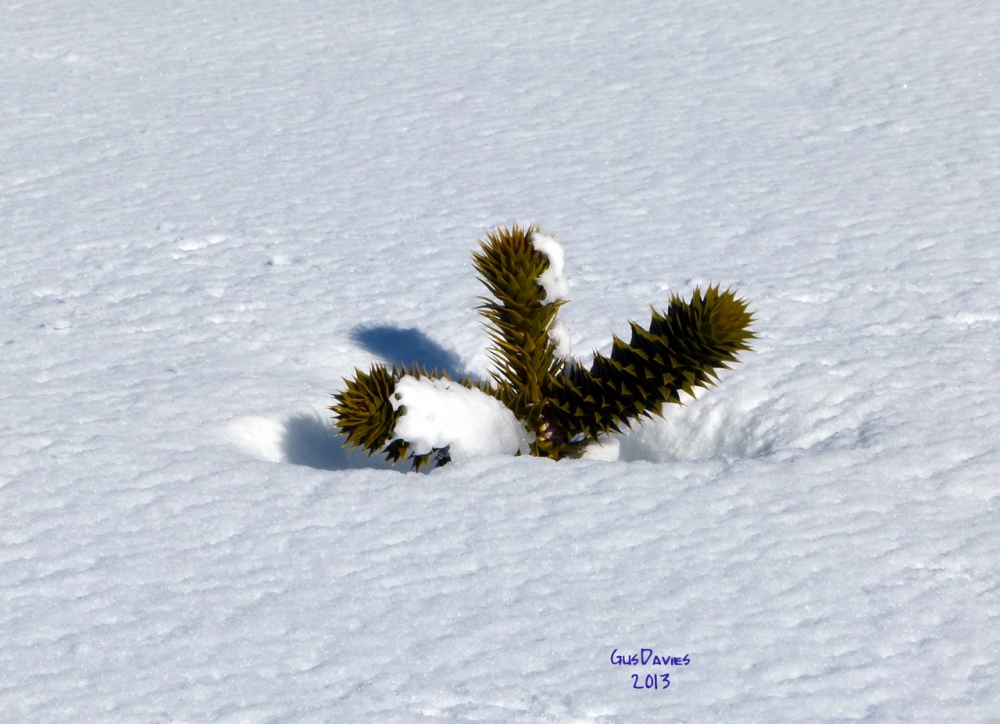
[(309, 440), (406, 346)]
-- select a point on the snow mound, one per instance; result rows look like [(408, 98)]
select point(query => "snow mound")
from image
[(606, 449), (441, 413), (257, 436)]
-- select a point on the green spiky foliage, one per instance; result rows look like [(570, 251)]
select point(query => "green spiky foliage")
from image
[(364, 411), (519, 322), (563, 406), (679, 351)]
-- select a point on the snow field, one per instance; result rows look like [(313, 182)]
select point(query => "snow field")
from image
[(210, 214)]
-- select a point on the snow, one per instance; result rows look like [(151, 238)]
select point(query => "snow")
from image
[(556, 287), (607, 450), (552, 280), (440, 413), (211, 213), (560, 335)]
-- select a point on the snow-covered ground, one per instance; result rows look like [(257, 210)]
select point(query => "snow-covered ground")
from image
[(210, 213)]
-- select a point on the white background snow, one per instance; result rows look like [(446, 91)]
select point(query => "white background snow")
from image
[(210, 213)]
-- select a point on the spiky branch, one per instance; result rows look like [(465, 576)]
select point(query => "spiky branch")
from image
[(679, 351), (520, 321)]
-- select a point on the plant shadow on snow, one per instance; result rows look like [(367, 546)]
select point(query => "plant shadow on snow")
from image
[(407, 346), (308, 438), (302, 439), (310, 441)]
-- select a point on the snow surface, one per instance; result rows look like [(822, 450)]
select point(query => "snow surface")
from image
[(210, 213), (439, 413)]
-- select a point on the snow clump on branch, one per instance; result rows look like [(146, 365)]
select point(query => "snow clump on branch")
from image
[(556, 287), (442, 413)]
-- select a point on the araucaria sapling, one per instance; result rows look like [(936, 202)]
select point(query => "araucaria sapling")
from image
[(551, 405)]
